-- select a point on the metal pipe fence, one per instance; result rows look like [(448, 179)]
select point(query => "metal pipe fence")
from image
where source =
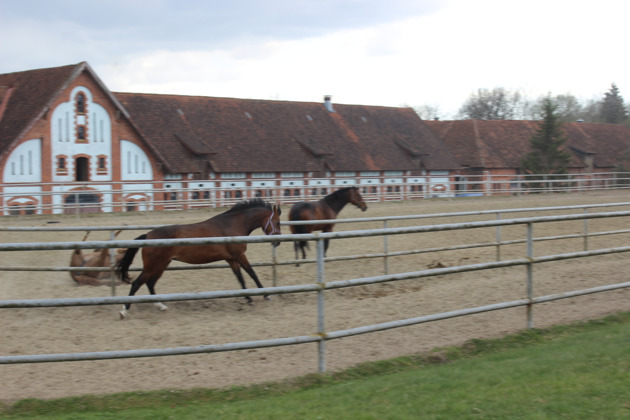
[(321, 336), (385, 254), (81, 197)]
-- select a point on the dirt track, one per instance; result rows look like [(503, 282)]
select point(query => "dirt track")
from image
[(84, 329)]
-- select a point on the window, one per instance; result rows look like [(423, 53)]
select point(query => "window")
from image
[(228, 175), (101, 166), (80, 103), (61, 165), (81, 133), (263, 175)]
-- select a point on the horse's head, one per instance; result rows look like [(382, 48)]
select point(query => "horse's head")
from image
[(272, 225), (356, 199)]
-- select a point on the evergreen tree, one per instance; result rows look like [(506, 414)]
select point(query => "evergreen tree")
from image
[(613, 110), (547, 155)]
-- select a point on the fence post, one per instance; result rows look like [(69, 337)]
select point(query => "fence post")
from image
[(76, 205), (585, 230), (498, 238), (274, 259), (112, 262), (321, 331), (386, 248), (530, 274)]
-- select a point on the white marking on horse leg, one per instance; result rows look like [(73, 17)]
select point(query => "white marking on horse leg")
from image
[(161, 306), (123, 313)]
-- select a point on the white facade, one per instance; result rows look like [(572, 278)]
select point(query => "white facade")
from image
[(24, 163), (81, 133), (135, 165)]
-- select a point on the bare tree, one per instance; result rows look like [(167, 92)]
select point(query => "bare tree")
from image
[(427, 112), (568, 107), (496, 104)]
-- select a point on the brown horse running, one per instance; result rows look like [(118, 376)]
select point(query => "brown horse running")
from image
[(240, 220), (325, 209)]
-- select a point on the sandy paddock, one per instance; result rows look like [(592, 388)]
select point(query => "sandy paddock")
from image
[(84, 329)]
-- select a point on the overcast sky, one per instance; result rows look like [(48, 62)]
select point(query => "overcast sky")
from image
[(372, 52)]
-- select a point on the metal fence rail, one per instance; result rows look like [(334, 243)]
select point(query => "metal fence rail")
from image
[(498, 243), (198, 194), (321, 336)]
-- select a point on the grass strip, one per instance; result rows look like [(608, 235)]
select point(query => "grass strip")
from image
[(580, 370)]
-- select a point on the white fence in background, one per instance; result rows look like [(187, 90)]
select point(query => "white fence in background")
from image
[(77, 198), (321, 336)]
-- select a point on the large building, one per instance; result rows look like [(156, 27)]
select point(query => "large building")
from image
[(66, 140), (494, 149), (68, 144)]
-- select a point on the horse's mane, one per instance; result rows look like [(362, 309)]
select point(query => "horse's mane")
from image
[(336, 194), (250, 204)]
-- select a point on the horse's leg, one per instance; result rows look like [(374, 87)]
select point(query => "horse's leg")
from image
[(297, 245), (150, 278), (135, 285), (304, 246), (326, 241), (244, 262), (151, 287), (236, 269)]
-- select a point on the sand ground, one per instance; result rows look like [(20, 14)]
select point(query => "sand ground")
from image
[(85, 329)]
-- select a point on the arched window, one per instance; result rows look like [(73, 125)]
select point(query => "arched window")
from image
[(80, 103)]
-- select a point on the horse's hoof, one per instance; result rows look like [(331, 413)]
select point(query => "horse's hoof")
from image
[(267, 297), (161, 306), (123, 315)]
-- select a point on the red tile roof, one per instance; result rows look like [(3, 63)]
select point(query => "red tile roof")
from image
[(25, 96), (496, 144), (245, 135)]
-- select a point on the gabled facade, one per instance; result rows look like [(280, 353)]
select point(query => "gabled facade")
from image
[(66, 139), (64, 136)]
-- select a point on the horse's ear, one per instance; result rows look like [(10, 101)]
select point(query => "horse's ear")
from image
[(277, 209)]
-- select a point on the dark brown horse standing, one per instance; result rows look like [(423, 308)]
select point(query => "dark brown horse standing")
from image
[(325, 209), (240, 220)]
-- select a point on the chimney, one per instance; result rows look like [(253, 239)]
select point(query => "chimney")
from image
[(328, 103)]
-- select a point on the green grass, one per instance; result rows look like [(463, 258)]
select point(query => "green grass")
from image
[(577, 371)]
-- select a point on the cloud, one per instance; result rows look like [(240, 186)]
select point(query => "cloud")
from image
[(373, 52)]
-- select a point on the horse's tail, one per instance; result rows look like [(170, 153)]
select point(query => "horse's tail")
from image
[(122, 267)]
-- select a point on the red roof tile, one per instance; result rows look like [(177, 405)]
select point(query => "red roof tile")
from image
[(278, 136), (502, 144), (26, 95)]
